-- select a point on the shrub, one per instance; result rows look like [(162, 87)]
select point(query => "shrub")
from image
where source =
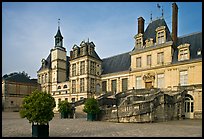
[(91, 106), (38, 107)]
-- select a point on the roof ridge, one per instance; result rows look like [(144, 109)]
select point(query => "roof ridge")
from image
[(116, 55), (190, 34)]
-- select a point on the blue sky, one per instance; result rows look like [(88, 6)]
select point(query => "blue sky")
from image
[(28, 28)]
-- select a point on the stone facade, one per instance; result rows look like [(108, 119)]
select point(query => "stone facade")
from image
[(156, 61), (14, 88)]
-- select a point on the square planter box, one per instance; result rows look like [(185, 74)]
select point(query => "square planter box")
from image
[(40, 130)]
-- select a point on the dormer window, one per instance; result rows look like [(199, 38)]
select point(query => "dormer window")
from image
[(161, 35), (139, 40), (184, 53), (148, 42)]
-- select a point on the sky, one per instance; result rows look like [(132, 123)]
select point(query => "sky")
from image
[(28, 28)]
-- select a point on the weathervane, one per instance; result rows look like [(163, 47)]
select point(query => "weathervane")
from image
[(58, 23), (151, 17)]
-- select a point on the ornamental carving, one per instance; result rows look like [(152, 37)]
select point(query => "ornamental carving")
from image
[(149, 77)]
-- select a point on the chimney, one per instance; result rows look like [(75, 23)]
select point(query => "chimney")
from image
[(174, 21), (140, 25)]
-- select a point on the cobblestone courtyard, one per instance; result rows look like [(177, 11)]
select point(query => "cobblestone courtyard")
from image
[(14, 126)]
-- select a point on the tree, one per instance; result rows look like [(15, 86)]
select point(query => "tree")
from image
[(64, 108), (91, 107), (38, 109)]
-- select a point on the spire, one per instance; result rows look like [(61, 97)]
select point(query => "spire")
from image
[(58, 36), (58, 31)]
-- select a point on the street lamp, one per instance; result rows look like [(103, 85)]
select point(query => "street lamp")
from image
[(117, 106)]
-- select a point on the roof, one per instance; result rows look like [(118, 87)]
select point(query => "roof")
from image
[(150, 31), (195, 41), (116, 63), (47, 63), (58, 34), (19, 77)]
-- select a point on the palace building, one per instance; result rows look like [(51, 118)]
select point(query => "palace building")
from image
[(159, 59)]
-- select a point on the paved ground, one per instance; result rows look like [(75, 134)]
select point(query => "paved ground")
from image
[(14, 126)]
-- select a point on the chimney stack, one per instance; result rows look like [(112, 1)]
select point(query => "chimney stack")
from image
[(140, 25), (174, 21)]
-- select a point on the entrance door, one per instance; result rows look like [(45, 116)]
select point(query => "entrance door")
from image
[(148, 85), (189, 106)]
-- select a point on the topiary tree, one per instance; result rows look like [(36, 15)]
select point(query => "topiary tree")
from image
[(64, 107), (91, 107), (38, 109)]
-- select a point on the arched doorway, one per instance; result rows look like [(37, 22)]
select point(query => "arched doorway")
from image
[(189, 106)]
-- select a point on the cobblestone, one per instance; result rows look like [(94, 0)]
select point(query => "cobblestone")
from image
[(14, 126)]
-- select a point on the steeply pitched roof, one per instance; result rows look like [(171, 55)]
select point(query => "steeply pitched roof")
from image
[(47, 63), (58, 34), (116, 63), (19, 77), (195, 41), (150, 31)]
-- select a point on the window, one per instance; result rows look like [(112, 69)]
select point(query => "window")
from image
[(66, 99), (92, 85), (114, 86), (73, 86), (73, 100), (160, 80), (183, 78), (138, 82), (92, 68), (183, 54), (138, 62), (74, 70), (82, 85), (124, 84), (59, 87), (149, 60), (161, 38), (139, 42), (59, 93), (81, 98), (65, 86), (82, 67), (160, 58), (104, 86)]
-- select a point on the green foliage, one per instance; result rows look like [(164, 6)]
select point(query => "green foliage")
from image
[(38, 107), (64, 106), (91, 106)]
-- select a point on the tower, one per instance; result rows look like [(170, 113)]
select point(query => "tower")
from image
[(58, 60)]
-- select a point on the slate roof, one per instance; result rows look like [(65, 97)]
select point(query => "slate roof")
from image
[(47, 63), (58, 34), (150, 31), (116, 63), (19, 77), (195, 41)]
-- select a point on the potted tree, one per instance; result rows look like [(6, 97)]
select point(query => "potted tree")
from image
[(38, 109), (91, 107), (64, 107)]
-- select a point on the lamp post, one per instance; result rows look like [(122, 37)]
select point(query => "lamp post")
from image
[(116, 106)]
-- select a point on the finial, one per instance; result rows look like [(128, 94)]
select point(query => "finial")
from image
[(59, 23), (162, 11), (151, 16)]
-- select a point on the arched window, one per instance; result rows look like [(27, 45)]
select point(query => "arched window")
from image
[(59, 87), (189, 106), (65, 86)]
